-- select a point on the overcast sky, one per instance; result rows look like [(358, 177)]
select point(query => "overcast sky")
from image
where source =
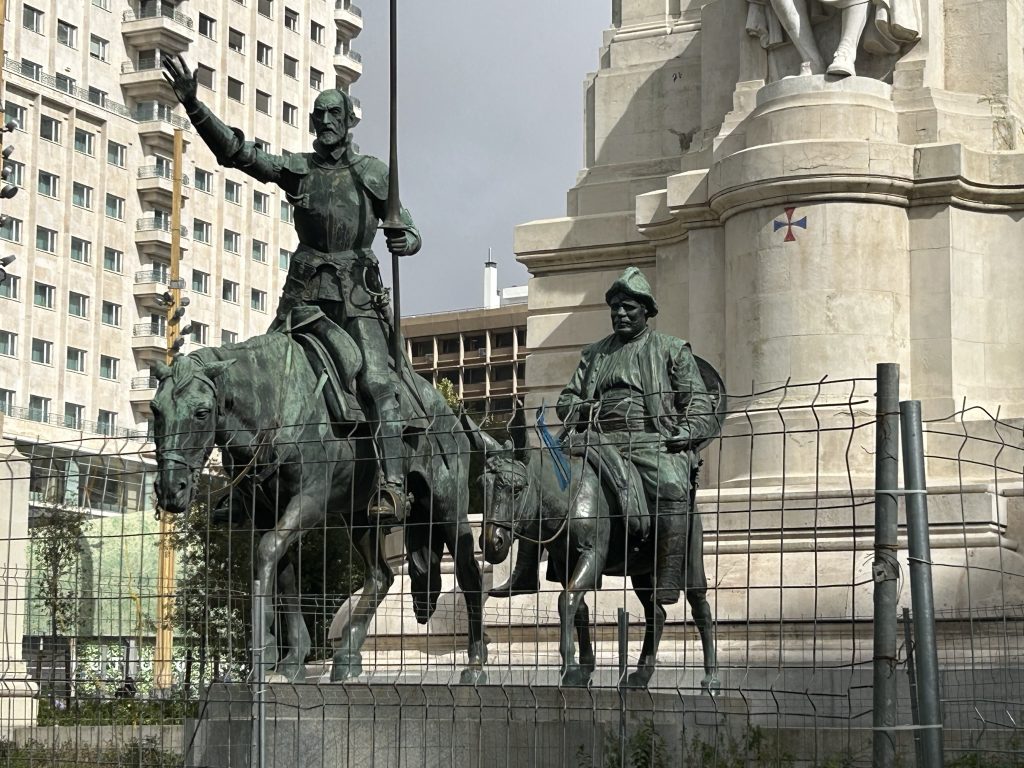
[(491, 128)]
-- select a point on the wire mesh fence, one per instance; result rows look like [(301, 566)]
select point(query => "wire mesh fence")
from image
[(786, 509)]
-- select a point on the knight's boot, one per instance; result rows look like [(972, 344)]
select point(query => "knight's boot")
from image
[(524, 579), (390, 504), (670, 555)]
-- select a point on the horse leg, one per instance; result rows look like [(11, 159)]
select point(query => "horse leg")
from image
[(293, 666), (348, 661), (702, 618), (654, 623), (471, 582), (587, 659)]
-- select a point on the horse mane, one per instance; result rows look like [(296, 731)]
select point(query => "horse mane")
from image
[(186, 367)]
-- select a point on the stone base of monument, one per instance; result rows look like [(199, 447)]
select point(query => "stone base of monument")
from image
[(534, 723)]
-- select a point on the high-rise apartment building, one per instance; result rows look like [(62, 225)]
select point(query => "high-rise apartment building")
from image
[(81, 319)]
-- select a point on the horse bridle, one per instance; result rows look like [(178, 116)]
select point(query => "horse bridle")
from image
[(513, 527)]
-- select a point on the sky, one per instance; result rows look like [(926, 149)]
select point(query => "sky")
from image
[(490, 129)]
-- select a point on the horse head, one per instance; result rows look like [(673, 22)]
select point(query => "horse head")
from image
[(185, 410), (506, 488)]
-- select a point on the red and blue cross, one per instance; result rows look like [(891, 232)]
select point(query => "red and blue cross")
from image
[(788, 224)]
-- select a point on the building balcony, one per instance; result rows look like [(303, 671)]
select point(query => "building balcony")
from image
[(155, 25), (157, 123), (502, 387), (156, 185), (150, 286), (149, 341), (144, 80), (348, 65), (153, 236), (142, 392), (348, 17)]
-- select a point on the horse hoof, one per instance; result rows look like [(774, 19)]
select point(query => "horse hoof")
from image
[(473, 676), (290, 673), (711, 684), (639, 679), (345, 666), (575, 677)]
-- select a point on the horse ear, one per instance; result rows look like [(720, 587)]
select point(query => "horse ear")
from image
[(160, 370), (216, 368), (479, 440)]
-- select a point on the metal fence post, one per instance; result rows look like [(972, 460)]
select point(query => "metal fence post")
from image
[(921, 596), (623, 627), (885, 567), (258, 673)]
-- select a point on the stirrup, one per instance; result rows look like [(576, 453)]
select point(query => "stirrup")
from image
[(389, 505)]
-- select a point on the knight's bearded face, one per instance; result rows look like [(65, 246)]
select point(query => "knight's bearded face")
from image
[(330, 121)]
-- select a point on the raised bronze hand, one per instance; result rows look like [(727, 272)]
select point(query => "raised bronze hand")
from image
[(181, 79)]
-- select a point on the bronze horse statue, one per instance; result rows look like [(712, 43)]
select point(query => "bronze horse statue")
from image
[(581, 521), (261, 403)]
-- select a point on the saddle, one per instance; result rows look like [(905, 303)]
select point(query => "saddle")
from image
[(618, 476)]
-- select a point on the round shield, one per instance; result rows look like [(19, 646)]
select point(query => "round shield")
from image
[(716, 390)]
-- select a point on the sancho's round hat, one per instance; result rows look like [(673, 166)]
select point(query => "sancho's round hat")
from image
[(633, 283)]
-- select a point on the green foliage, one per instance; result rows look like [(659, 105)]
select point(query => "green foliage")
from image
[(753, 748), (118, 712), (71, 755), (1013, 758), (449, 393), (57, 545), (645, 748)]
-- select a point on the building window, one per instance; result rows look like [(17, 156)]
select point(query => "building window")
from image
[(258, 300), (232, 241), (110, 313), (291, 19), (67, 34), (289, 113), (229, 291), (78, 304), (201, 231), (200, 282), (97, 97), (236, 40), (233, 192), (113, 260), (116, 154), (200, 333), (15, 173), (42, 351), (76, 360), (115, 207), (204, 76), (316, 79), (259, 251), (32, 19), (64, 83), (15, 112), (8, 344), (284, 258), (46, 239), (291, 67), (228, 337), (48, 184), (263, 102), (207, 26), (81, 195), (106, 421), (81, 250), (104, 4), (43, 295), (287, 212), (6, 400), (204, 180), (74, 414), (98, 47), (10, 229), (316, 32), (85, 142), (265, 8), (261, 144), (31, 69), (234, 89), (108, 367), (38, 408), (264, 54), (9, 288), (261, 202), (49, 128)]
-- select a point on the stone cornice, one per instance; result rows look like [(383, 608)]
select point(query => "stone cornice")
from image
[(605, 241)]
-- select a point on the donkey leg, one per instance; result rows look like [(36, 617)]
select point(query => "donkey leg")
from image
[(587, 659), (471, 583), (293, 666), (703, 619), (348, 661), (654, 623), (584, 578)]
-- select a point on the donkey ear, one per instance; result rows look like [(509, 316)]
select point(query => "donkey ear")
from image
[(160, 370), (479, 440), (517, 430), (215, 369)]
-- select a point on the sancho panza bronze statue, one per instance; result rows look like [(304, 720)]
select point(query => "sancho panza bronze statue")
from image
[(339, 197)]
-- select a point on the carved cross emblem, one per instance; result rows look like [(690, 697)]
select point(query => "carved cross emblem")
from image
[(788, 224)]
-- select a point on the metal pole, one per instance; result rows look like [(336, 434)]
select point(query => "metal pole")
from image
[(258, 679), (162, 670), (915, 714), (393, 220), (885, 568), (921, 596), (623, 660)]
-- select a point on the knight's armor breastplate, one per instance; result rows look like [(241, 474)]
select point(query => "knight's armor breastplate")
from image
[(333, 212)]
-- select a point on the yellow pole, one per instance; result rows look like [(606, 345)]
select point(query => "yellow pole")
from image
[(162, 677)]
